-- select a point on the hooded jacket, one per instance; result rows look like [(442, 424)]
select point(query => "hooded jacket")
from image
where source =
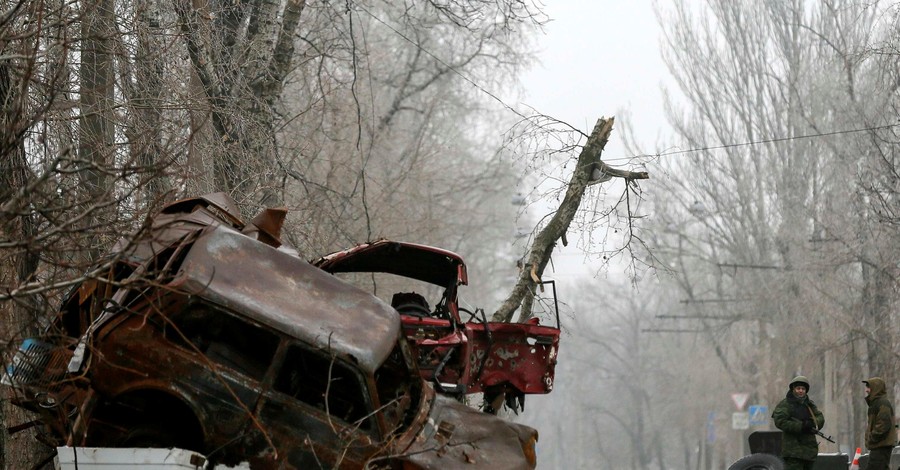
[(789, 416), (880, 431)]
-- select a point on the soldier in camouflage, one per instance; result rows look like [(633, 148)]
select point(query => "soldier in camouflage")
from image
[(881, 435), (799, 420)]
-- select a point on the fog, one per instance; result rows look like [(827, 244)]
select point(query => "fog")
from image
[(763, 246), (766, 238)]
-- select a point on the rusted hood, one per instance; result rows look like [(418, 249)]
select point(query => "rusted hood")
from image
[(425, 263), (290, 295)]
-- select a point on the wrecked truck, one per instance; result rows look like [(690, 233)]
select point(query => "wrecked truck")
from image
[(205, 333), (457, 349)]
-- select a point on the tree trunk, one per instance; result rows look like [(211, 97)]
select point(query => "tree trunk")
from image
[(242, 77), (16, 318), (146, 117), (96, 132)]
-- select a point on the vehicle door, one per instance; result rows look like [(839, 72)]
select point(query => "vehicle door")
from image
[(318, 411), (224, 360)]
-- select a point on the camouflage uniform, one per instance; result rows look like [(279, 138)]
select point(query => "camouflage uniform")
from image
[(881, 435), (798, 419)]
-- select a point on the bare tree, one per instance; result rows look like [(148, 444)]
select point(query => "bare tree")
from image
[(766, 223), (96, 129), (19, 265), (114, 107), (397, 144), (68, 183), (241, 55), (143, 78), (366, 119)]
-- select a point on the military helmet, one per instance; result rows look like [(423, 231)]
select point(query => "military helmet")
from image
[(799, 380)]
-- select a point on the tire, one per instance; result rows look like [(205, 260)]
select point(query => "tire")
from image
[(758, 462)]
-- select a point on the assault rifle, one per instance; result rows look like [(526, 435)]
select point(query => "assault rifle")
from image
[(820, 434)]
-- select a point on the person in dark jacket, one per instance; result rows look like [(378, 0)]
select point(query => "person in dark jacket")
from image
[(799, 420), (881, 435)]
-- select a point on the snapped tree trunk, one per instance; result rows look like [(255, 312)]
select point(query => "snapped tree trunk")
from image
[(589, 169)]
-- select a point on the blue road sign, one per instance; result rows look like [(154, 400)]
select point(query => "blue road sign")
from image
[(759, 414)]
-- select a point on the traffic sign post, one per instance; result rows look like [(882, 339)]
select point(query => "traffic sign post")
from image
[(740, 399), (740, 420), (759, 415)]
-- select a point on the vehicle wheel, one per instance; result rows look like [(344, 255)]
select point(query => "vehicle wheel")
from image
[(413, 310), (758, 462), (144, 418)]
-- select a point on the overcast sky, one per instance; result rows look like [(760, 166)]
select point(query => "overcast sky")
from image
[(597, 59)]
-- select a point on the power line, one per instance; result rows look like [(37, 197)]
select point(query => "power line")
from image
[(700, 317), (670, 330), (713, 301), (758, 142), (751, 266)]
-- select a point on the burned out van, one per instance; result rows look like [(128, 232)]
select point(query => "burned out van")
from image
[(203, 333)]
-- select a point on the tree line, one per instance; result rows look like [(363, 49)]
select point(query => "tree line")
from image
[(771, 233), (359, 117)]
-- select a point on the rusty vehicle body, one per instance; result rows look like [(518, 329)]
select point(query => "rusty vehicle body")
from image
[(202, 334), (502, 360)]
